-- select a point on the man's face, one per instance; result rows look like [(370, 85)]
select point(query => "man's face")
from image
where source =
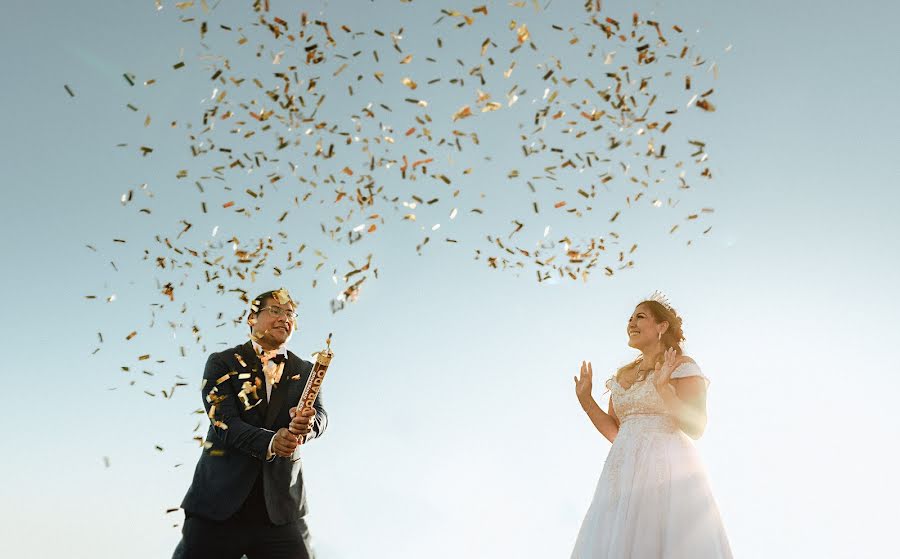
[(273, 324)]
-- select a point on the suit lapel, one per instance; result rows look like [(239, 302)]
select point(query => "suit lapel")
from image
[(255, 365)]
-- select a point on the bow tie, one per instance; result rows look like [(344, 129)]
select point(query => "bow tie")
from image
[(273, 367), (276, 358)]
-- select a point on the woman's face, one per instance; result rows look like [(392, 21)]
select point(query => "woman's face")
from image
[(643, 330)]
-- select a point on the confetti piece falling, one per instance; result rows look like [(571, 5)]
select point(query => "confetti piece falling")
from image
[(309, 125)]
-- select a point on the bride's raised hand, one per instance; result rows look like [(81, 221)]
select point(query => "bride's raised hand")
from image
[(664, 371), (584, 383)]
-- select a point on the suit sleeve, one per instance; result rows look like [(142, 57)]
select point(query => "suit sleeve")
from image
[(230, 430)]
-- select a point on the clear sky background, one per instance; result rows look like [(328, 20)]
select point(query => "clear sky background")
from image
[(454, 429)]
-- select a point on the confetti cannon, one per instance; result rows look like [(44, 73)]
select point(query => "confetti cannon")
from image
[(316, 376)]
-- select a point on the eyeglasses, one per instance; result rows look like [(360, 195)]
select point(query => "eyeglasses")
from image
[(278, 311)]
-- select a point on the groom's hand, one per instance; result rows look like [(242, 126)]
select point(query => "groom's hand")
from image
[(284, 443), (301, 423)]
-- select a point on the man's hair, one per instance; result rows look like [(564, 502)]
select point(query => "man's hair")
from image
[(260, 301)]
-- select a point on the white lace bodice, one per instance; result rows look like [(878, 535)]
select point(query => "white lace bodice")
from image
[(653, 499), (641, 398)]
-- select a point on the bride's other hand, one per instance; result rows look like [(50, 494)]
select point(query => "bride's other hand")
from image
[(584, 383), (664, 372)]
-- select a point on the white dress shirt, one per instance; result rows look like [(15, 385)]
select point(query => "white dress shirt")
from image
[(270, 455)]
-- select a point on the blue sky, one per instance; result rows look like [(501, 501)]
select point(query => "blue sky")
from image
[(454, 427)]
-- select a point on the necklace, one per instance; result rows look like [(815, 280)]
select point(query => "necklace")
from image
[(641, 374), (637, 367)]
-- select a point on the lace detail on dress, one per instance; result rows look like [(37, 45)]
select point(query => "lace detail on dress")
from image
[(642, 396), (653, 499), (689, 370), (641, 412)]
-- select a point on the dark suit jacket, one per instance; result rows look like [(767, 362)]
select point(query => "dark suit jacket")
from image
[(234, 456)]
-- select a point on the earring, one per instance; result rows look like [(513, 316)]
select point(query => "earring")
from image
[(659, 337)]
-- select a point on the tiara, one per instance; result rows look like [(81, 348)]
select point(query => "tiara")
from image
[(660, 298)]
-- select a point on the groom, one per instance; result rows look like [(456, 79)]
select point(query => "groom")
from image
[(247, 495)]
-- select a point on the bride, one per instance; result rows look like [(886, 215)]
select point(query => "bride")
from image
[(653, 499)]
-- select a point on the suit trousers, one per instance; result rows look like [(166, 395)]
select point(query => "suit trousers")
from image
[(249, 532)]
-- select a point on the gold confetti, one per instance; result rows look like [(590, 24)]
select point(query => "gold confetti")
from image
[(328, 141), (522, 33), (463, 112)]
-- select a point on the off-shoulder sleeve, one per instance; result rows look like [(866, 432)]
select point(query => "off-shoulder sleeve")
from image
[(609, 383), (689, 369)]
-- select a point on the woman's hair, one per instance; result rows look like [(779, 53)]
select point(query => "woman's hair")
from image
[(672, 337)]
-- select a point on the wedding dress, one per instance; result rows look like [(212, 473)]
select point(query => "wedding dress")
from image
[(653, 499)]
